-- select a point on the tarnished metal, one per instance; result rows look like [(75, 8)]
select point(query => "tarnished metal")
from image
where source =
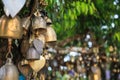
[(9, 71), (32, 54), (38, 44)]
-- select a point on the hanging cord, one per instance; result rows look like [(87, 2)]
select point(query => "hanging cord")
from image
[(33, 7), (9, 53)]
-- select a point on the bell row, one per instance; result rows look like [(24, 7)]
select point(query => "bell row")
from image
[(16, 27)]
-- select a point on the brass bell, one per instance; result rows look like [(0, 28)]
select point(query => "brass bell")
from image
[(50, 35), (32, 54), (41, 38), (25, 23), (96, 73), (24, 47), (24, 68), (10, 27), (9, 71), (38, 23)]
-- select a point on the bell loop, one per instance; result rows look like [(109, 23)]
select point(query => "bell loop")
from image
[(9, 55)]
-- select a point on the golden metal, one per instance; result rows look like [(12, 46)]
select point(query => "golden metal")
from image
[(37, 65), (25, 23), (50, 34), (10, 27), (39, 23)]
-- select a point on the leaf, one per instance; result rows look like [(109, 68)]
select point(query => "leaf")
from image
[(78, 7), (83, 7), (89, 1), (117, 36), (86, 9), (65, 17), (91, 10), (93, 6)]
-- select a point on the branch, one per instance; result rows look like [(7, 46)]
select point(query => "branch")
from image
[(68, 40)]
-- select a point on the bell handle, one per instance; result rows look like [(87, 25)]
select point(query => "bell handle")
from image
[(9, 48), (9, 55)]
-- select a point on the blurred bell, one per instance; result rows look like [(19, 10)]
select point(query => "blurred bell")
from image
[(38, 44), (10, 27), (9, 71), (24, 68), (32, 54), (50, 35), (25, 24), (96, 73), (38, 23), (24, 47)]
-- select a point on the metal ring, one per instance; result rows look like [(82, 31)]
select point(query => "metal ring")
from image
[(11, 55)]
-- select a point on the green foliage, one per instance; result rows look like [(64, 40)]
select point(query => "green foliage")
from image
[(117, 36), (65, 14)]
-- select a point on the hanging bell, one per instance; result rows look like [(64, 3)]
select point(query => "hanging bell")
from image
[(25, 24), (10, 27), (50, 35), (38, 23), (24, 68), (32, 54), (96, 73), (38, 45), (9, 71), (24, 47)]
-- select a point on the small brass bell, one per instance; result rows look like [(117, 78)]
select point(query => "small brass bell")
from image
[(9, 71), (50, 35), (96, 73), (32, 54), (10, 27), (24, 47), (25, 24), (24, 68), (38, 23)]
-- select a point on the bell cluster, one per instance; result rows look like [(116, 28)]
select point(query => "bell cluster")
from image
[(34, 32)]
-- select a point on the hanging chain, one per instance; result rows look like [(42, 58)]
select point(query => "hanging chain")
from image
[(9, 48)]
